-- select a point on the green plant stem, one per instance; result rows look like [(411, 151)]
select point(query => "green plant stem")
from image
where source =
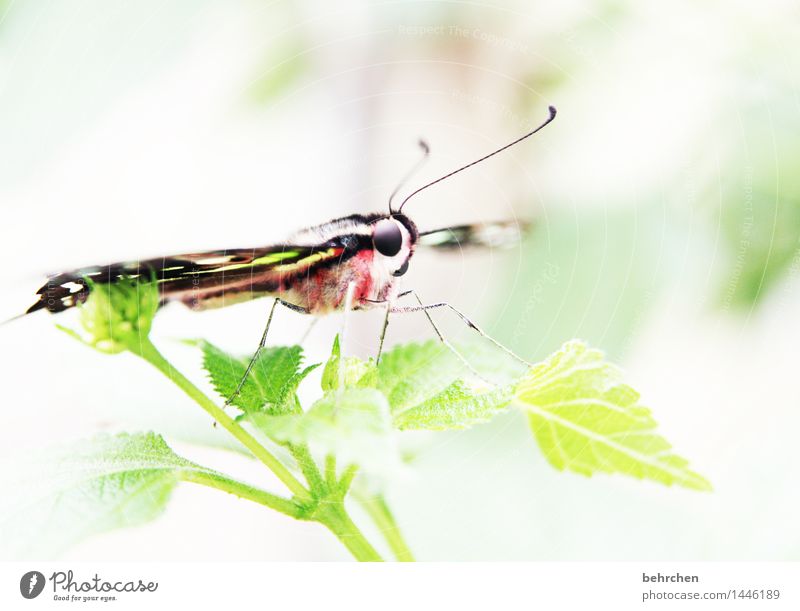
[(241, 490), (305, 461), (378, 510), (330, 470), (347, 478), (335, 517), (145, 349)]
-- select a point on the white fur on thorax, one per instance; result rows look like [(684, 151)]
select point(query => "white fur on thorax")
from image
[(322, 233)]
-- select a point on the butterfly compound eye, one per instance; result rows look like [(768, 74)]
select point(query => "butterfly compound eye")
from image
[(387, 237)]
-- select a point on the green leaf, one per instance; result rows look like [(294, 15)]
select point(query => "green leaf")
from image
[(349, 372), (457, 407), (585, 420), (354, 425), (117, 316), (411, 374), (424, 385), (105, 483), (270, 387)]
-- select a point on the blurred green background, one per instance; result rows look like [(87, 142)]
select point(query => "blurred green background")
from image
[(666, 207)]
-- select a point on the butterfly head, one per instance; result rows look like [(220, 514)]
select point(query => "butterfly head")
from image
[(393, 240)]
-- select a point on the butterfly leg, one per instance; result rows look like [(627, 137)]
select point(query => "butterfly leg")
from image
[(386, 323), (383, 332), (463, 317), (308, 330), (442, 338), (261, 345)]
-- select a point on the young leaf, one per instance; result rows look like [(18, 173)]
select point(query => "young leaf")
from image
[(352, 372), (411, 374), (457, 407), (354, 425), (585, 420), (117, 316), (271, 384), (106, 483), (425, 390)]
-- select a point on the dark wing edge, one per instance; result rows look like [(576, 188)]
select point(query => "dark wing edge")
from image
[(499, 234), (193, 278)]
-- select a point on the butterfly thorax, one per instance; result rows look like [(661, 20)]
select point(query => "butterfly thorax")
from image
[(373, 274)]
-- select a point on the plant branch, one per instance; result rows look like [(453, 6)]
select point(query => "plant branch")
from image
[(305, 461), (145, 349), (330, 470), (378, 510), (347, 478), (335, 517), (241, 490)]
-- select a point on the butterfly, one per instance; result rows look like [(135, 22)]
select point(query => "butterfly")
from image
[(355, 261)]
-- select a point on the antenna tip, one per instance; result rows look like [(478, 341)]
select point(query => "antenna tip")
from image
[(553, 112), (424, 146)]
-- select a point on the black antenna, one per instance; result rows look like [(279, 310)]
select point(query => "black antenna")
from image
[(552, 110), (425, 152)]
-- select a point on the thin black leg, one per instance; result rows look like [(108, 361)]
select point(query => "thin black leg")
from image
[(445, 342), (467, 321), (383, 334), (261, 344)]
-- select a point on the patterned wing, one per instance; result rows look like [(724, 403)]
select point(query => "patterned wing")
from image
[(494, 235), (199, 280)]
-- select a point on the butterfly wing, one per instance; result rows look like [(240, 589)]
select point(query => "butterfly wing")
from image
[(199, 280), (494, 235)]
